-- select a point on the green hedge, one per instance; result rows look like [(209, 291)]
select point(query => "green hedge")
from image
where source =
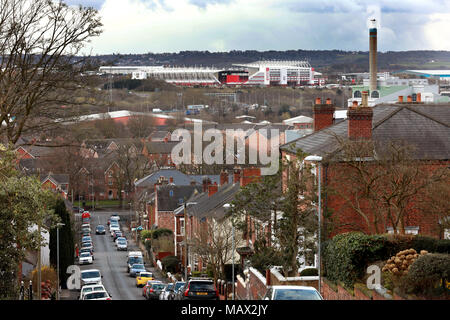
[(346, 256), (309, 272), (428, 273), (170, 264)]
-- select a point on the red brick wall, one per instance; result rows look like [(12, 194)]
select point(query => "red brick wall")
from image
[(166, 220), (323, 116)]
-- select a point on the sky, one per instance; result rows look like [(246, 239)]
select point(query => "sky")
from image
[(142, 26)]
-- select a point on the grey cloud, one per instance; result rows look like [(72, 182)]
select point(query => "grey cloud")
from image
[(97, 4)]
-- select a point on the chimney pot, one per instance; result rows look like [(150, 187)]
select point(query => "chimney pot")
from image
[(419, 97), (400, 99), (328, 101), (318, 101), (409, 99), (355, 103)]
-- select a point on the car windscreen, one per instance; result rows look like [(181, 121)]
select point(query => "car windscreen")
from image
[(88, 289), (178, 285), (295, 294), (158, 286), (137, 266), (100, 227), (146, 275), (201, 285), (169, 287), (90, 274), (96, 295), (134, 260), (85, 254), (122, 242)]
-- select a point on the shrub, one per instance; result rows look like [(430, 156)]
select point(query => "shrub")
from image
[(428, 272), (347, 255), (161, 232), (170, 264), (309, 272)]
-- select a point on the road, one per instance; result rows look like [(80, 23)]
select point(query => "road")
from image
[(111, 262)]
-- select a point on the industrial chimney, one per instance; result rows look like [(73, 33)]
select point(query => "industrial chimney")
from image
[(373, 55)]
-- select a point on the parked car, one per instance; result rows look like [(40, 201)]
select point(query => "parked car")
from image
[(87, 245), (91, 276), (87, 250), (143, 278), (198, 289), (177, 286), (136, 269), (292, 293), (97, 295), (112, 229), (86, 239), (85, 258), (132, 259), (122, 244), (100, 229), (90, 288), (85, 233), (147, 285), (154, 290), (117, 234), (166, 291)]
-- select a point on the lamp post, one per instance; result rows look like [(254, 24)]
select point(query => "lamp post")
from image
[(57, 258), (318, 159), (227, 206)]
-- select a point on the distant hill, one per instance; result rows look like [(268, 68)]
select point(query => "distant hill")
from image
[(322, 60)]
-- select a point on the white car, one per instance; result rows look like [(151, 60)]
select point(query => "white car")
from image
[(85, 258), (97, 295), (90, 288), (292, 293), (122, 244), (114, 228), (91, 276)]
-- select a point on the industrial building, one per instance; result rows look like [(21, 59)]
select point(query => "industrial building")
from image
[(259, 73), (385, 88)]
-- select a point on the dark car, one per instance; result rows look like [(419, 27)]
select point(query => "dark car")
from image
[(198, 289), (116, 235), (154, 290), (132, 260), (178, 285), (100, 229)]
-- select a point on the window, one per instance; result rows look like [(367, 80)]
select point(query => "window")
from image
[(375, 94), (447, 234), (357, 94), (408, 230), (181, 226)]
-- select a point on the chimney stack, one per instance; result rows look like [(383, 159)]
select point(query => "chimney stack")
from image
[(236, 175), (323, 114), (373, 55), (360, 120), (212, 188), (223, 177), (250, 175)]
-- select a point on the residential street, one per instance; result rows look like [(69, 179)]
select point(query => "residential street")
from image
[(111, 262)]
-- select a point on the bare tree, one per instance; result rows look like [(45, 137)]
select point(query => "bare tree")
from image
[(39, 67), (384, 184), (213, 243)]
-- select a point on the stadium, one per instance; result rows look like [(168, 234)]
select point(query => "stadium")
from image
[(259, 73)]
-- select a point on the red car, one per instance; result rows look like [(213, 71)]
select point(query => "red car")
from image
[(149, 282)]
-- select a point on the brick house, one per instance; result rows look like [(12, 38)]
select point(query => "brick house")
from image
[(56, 182), (426, 127), (159, 153)]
